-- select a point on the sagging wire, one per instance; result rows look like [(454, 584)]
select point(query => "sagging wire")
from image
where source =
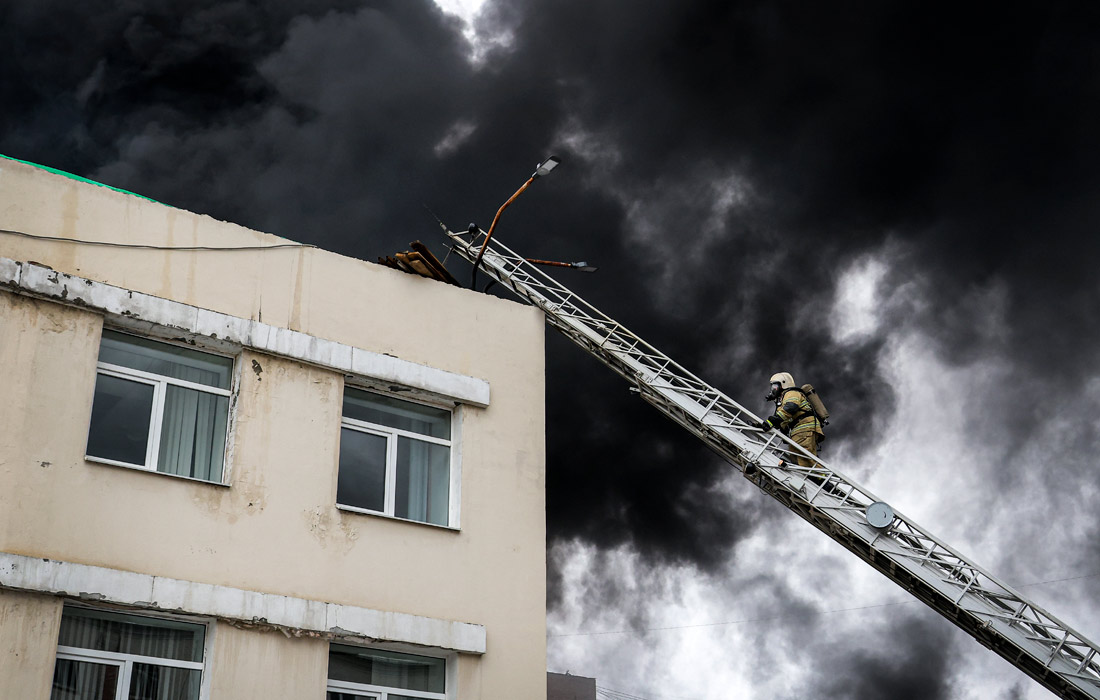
[(767, 618), (612, 694)]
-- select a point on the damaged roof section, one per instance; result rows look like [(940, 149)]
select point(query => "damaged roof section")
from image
[(419, 261)]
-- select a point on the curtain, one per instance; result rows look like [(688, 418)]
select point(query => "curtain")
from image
[(149, 682), (87, 680), (397, 413), (386, 668), (423, 481), (131, 634), (127, 634), (82, 680), (192, 438), (164, 359)]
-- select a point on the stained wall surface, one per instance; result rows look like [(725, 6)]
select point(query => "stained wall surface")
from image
[(273, 527), (295, 668), (28, 639)]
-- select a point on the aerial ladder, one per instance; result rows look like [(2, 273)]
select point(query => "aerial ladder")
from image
[(1030, 638)]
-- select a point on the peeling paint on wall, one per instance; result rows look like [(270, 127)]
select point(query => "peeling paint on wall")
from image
[(156, 316), (296, 616)]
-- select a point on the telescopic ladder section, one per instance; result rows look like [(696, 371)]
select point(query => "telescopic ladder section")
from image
[(1027, 636)]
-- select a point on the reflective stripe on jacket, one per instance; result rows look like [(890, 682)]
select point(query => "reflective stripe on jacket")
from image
[(793, 406)]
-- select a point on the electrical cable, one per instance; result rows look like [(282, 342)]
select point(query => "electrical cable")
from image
[(112, 244), (732, 622), (780, 617), (617, 694), (612, 694)]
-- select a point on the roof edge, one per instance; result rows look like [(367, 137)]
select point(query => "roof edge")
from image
[(78, 178)]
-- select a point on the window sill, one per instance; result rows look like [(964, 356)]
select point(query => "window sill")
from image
[(363, 511), (133, 468)]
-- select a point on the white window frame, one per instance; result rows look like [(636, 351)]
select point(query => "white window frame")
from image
[(160, 385), (382, 692), (379, 692), (454, 495), (125, 662)]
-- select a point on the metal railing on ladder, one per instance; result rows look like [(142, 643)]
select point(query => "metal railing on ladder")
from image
[(999, 617)]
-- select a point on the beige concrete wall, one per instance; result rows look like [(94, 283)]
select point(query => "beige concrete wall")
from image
[(28, 642), (255, 665), (275, 529), (304, 289)]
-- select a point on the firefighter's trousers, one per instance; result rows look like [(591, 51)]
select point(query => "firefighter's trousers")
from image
[(808, 440)]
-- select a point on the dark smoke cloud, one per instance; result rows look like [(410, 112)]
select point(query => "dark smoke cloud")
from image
[(910, 661), (726, 164), (968, 138)]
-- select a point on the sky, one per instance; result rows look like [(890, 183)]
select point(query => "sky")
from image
[(892, 201)]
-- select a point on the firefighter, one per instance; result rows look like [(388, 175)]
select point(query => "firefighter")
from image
[(793, 415)]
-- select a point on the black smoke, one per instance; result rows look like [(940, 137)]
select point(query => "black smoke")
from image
[(910, 661)]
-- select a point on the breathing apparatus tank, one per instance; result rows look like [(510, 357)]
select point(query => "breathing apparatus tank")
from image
[(815, 403)]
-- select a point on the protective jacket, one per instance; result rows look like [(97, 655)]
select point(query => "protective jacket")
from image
[(795, 414)]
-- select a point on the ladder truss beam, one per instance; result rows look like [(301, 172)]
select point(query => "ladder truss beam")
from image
[(989, 610)]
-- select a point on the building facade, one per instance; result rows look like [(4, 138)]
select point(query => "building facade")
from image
[(565, 686), (265, 472)]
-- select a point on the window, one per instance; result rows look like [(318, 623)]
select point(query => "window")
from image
[(358, 673), (160, 407), (111, 656), (395, 458)]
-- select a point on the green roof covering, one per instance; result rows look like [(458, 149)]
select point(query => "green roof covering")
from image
[(77, 177)]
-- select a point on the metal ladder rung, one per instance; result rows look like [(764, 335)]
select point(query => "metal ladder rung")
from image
[(912, 553)]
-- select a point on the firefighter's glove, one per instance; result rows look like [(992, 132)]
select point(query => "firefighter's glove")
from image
[(770, 424)]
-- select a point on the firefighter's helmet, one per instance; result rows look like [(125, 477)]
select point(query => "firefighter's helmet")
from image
[(783, 379)]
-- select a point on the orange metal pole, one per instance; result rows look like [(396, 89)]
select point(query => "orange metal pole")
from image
[(548, 262), (496, 218)]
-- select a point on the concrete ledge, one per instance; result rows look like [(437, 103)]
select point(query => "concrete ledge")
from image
[(327, 620), (134, 309)]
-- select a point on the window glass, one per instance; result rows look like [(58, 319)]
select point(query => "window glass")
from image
[(423, 481), (140, 397), (362, 479), (397, 413), (149, 682), (385, 469), (386, 668), (131, 634), (121, 411), (84, 680), (165, 359)]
